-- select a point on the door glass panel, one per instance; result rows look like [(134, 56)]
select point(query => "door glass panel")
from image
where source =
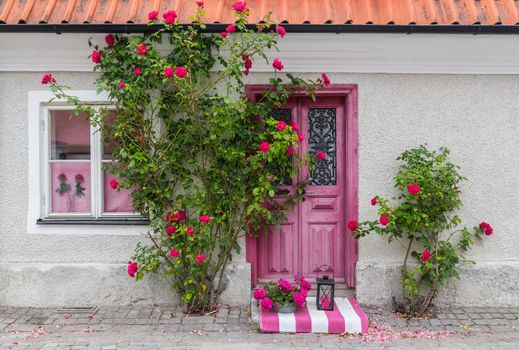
[(322, 137), (284, 114)]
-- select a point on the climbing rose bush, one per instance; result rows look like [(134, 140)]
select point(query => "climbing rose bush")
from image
[(422, 219), (201, 159)]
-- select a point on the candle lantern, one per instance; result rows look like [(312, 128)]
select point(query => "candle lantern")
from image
[(325, 293)]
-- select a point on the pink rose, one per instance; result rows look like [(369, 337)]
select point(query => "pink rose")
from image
[(266, 303), (47, 78), (326, 80), (168, 72), (169, 16), (384, 220), (294, 125), (224, 34), (413, 189), (114, 183), (96, 56), (260, 294), (170, 229), (277, 64), (180, 72), (488, 229), (204, 218), (122, 84), (110, 40), (353, 225), (301, 137), (153, 15), (174, 253), (200, 258), (142, 50), (426, 255), (133, 267), (230, 29), (374, 201), (289, 151), (176, 216), (137, 71), (281, 125), (281, 31), (239, 6), (190, 231), (320, 155), (264, 147)]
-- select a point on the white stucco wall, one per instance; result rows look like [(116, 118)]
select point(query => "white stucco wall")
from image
[(473, 115)]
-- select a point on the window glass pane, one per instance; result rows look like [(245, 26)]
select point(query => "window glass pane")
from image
[(284, 114), (115, 201), (70, 136), (70, 190), (322, 137), (108, 147)]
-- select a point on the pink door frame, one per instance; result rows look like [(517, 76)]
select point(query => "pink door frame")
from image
[(350, 94)]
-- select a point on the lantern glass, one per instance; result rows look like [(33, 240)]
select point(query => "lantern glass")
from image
[(325, 293)]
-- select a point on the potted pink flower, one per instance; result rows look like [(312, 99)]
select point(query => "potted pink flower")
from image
[(283, 296)]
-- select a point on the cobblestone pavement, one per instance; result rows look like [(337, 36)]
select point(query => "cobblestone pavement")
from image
[(140, 327)]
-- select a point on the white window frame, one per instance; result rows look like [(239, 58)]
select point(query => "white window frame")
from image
[(39, 109)]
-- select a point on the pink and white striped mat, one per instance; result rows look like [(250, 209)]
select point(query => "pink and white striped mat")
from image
[(347, 316)]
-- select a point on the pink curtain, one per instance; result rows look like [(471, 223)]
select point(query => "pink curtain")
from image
[(68, 202), (116, 201)]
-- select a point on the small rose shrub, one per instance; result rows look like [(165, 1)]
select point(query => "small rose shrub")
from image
[(275, 295), (422, 219), (202, 159)]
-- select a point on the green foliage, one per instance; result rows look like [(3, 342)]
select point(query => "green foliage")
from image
[(424, 222), (192, 144)]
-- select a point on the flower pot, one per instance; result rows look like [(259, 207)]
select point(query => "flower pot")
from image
[(285, 309)]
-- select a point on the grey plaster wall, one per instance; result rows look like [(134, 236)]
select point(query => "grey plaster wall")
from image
[(474, 115)]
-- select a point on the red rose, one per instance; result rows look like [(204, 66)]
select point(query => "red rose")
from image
[(277, 64), (320, 155), (96, 56), (200, 3), (169, 16), (190, 231), (168, 72), (326, 80), (488, 229), (204, 218), (281, 125), (248, 61), (114, 183), (374, 201), (301, 137), (47, 78), (170, 230), (153, 15), (281, 31), (180, 72), (174, 253), (110, 40), (239, 6), (133, 267), (413, 189), (200, 258), (353, 225), (289, 151), (384, 220), (230, 29), (264, 147), (294, 125), (137, 71), (176, 216), (223, 34), (426, 255), (122, 84), (142, 50), (79, 178)]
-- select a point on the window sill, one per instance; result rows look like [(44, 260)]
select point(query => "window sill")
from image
[(98, 221)]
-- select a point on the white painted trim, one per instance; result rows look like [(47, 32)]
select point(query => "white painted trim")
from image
[(37, 103), (312, 52)]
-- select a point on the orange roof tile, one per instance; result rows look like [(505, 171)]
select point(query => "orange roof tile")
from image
[(381, 12)]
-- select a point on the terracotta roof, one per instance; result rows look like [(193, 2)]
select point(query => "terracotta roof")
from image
[(381, 12)]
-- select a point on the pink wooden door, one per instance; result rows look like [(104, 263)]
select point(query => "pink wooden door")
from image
[(312, 240)]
